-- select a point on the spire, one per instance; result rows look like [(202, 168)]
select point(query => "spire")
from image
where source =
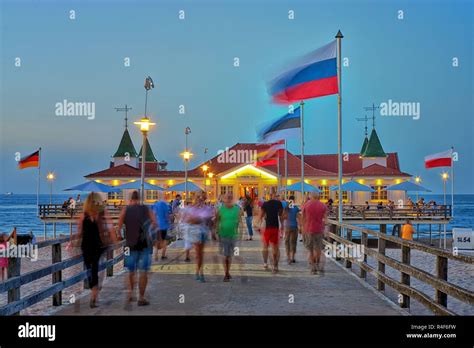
[(374, 147), (150, 157), (364, 145), (126, 146)]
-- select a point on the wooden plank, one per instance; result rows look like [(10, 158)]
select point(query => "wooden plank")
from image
[(57, 276), (442, 273), (13, 270), (405, 278), (363, 273), (380, 264), (348, 263)]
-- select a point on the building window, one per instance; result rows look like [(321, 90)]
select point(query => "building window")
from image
[(380, 193), (344, 195), (324, 195), (151, 195), (115, 196), (227, 190)]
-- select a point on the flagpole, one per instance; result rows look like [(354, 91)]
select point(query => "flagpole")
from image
[(278, 166), (452, 182), (339, 36), (39, 180), (286, 169), (302, 151)]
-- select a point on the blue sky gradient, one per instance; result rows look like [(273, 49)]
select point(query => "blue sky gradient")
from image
[(191, 62)]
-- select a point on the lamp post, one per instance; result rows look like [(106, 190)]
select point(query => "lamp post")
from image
[(417, 180), (186, 157), (50, 178), (205, 168), (211, 175), (144, 125), (445, 177)]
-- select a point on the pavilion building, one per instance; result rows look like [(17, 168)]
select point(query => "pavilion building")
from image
[(237, 173)]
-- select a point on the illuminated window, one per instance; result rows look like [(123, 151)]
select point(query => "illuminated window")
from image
[(151, 195), (324, 195), (227, 190), (379, 194), (344, 195), (115, 196)]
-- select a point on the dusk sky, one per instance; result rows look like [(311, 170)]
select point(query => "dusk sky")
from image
[(192, 63)]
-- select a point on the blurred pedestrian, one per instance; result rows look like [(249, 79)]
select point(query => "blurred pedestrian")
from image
[(271, 211)]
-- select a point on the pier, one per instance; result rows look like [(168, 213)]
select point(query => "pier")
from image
[(350, 286)]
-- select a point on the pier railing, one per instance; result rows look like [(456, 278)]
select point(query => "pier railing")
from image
[(361, 212), (15, 281), (342, 234)]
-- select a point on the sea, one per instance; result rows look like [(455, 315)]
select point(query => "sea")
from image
[(19, 210)]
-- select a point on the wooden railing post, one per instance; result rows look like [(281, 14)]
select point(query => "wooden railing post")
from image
[(363, 242), (442, 273), (57, 276), (381, 251), (110, 269), (349, 238), (405, 278), (13, 270)]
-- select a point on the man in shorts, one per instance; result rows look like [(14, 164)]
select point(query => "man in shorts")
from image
[(314, 220), (227, 220), (271, 211), (162, 211), (291, 231), (135, 217)]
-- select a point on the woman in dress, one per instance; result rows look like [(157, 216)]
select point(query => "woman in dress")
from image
[(93, 228)]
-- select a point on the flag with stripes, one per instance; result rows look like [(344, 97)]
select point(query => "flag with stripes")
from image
[(29, 161), (284, 127)]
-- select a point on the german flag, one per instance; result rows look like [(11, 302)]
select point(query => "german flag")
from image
[(29, 161)]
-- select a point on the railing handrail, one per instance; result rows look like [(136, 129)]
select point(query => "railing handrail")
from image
[(440, 282)]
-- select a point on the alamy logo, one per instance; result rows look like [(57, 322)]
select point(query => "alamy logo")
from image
[(237, 156), (345, 251), (67, 108), (37, 331), (406, 109)]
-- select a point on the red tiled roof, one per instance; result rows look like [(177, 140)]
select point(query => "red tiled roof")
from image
[(315, 165), (378, 170)]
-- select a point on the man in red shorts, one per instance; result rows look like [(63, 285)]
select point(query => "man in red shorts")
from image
[(314, 221), (271, 211)]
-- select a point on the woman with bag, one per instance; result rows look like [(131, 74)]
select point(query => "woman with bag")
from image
[(94, 236)]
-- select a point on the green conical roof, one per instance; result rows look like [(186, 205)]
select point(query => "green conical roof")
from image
[(364, 146), (374, 147), (126, 146), (150, 157)]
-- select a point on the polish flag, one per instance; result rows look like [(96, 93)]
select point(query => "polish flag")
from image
[(441, 159)]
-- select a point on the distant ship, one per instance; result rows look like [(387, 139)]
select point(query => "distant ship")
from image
[(9, 194)]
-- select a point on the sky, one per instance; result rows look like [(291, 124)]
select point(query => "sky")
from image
[(403, 56)]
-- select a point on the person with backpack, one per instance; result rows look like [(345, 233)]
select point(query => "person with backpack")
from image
[(137, 219)]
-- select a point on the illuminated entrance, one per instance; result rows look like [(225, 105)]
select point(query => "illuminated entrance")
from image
[(249, 190)]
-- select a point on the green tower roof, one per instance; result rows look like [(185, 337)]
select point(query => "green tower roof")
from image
[(126, 146), (150, 157), (364, 146), (374, 147)]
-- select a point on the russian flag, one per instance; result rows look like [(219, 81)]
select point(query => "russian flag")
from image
[(313, 76), (441, 159)]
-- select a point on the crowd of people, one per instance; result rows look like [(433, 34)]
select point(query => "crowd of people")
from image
[(147, 229)]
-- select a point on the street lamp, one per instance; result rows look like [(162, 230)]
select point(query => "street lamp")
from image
[(50, 176), (211, 175), (205, 168), (186, 157), (144, 125), (417, 180)]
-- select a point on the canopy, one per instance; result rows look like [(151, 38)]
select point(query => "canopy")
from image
[(408, 186), (137, 185), (93, 186), (306, 187), (192, 187), (353, 186)]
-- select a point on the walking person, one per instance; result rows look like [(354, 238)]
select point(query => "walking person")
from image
[(95, 235), (136, 217), (248, 208), (198, 219), (271, 211), (227, 222), (162, 211), (292, 212), (314, 219)]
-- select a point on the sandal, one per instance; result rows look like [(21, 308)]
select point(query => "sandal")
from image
[(143, 302)]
